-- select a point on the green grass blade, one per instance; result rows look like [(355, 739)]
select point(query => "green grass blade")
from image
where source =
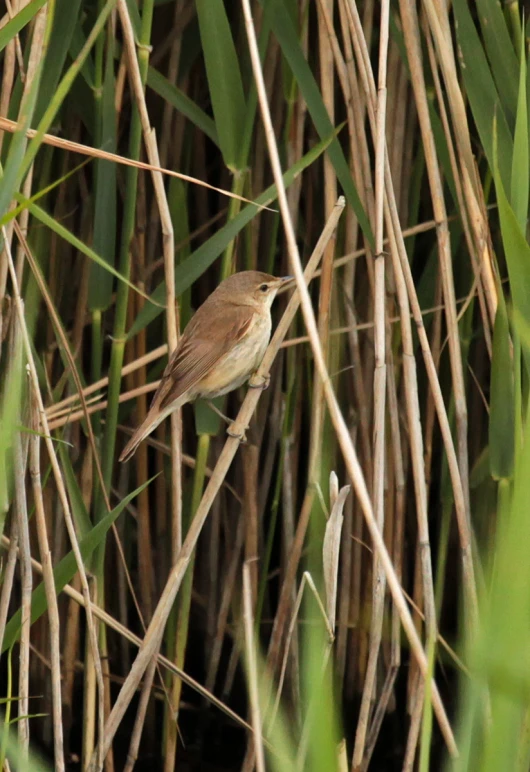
[(19, 21), (198, 262), (516, 249), (87, 68), (224, 78), (502, 417), (13, 213), (64, 233), (101, 283), (12, 173), (67, 568), (482, 93), (181, 102), (500, 51), (520, 160), (65, 20), (285, 32), (63, 88), (81, 517)]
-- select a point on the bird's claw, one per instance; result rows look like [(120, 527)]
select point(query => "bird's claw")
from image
[(259, 381), (237, 435)]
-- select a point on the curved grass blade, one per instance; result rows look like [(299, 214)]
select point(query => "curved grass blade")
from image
[(67, 568), (200, 260), (60, 230), (181, 102), (14, 213)]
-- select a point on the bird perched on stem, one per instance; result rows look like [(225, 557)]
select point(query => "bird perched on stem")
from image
[(220, 349)]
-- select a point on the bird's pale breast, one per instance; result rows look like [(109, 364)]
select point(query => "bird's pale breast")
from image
[(238, 364)]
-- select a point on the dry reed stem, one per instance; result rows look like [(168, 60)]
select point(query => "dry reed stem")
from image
[(307, 579), (326, 278), (462, 209), (147, 685), (21, 510), (94, 152), (411, 388), (403, 274), (295, 549), (8, 77), (252, 668), (73, 369), (155, 630), (169, 262), (411, 36), (61, 490), (229, 581), (8, 576), (438, 19), (335, 412), (51, 599), (379, 387), (36, 54), (122, 630), (135, 350)]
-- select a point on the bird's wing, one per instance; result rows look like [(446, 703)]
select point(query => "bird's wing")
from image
[(197, 355)]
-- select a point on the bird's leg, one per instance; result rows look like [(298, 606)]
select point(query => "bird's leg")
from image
[(241, 436), (221, 415), (259, 381)]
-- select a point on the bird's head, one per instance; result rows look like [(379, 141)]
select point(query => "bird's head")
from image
[(253, 288)]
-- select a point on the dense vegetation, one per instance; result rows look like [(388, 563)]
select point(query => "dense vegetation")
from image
[(351, 587)]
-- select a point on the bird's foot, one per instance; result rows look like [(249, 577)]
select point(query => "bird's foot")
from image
[(259, 381), (236, 434), (216, 410)]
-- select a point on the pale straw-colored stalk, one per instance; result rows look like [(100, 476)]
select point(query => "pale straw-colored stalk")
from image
[(339, 424)]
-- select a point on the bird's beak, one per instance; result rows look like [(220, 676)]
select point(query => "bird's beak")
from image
[(285, 282)]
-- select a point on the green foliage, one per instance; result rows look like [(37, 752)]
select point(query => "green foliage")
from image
[(224, 78), (67, 568)]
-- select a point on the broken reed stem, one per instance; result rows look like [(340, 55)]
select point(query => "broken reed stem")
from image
[(63, 497), (165, 604), (51, 597), (339, 424), (379, 418)]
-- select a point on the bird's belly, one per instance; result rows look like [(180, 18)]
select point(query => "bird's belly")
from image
[(238, 365)]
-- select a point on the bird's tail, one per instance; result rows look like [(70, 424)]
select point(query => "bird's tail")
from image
[(144, 430)]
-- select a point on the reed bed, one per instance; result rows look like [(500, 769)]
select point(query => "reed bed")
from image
[(349, 589)]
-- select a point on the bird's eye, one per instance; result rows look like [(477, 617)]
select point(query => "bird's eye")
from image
[(264, 287)]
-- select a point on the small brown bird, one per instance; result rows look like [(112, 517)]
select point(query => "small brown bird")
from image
[(221, 347)]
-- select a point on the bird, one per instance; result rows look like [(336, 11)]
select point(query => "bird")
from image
[(221, 347)]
